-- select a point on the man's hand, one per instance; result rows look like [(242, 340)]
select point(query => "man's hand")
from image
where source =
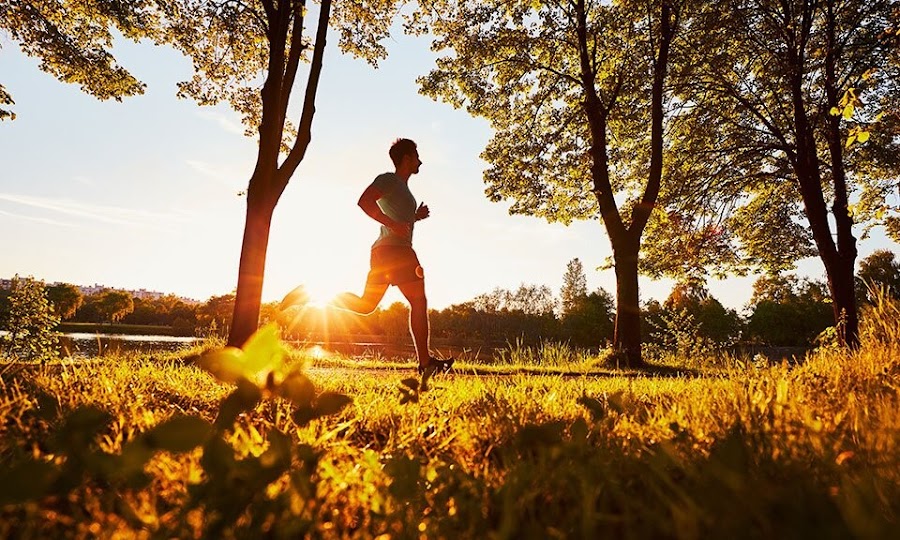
[(422, 212)]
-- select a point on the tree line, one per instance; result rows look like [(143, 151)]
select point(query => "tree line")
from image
[(783, 310)]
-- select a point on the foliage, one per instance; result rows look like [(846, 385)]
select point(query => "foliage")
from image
[(879, 271), (6, 100), (232, 481), (574, 286), (676, 332), (216, 312), (590, 320), (787, 311), (115, 304), (777, 451), (73, 40), (65, 298), (739, 162), (248, 54), (30, 321)]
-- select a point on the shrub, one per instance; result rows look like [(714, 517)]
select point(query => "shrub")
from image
[(30, 322)]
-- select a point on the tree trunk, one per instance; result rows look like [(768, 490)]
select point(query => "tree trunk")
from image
[(843, 295), (839, 259), (269, 179), (245, 320), (627, 334), (840, 269)]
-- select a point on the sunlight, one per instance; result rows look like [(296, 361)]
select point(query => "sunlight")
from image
[(317, 352)]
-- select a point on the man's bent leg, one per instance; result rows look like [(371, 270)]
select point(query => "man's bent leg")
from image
[(414, 292), (364, 304)]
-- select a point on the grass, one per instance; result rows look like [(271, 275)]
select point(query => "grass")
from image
[(556, 450)]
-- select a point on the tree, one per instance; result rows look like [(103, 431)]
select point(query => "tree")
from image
[(529, 299), (880, 270), (30, 321), (589, 321), (774, 88), (114, 305), (65, 298), (215, 314), (234, 46), (73, 41), (574, 286), (786, 311), (713, 320), (559, 82)]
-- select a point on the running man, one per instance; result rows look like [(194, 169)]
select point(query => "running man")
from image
[(393, 261)]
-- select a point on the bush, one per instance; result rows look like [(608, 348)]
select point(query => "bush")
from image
[(30, 322)]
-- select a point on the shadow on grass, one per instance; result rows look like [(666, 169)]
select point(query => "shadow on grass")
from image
[(463, 368)]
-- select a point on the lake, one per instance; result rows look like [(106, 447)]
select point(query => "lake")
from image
[(88, 345)]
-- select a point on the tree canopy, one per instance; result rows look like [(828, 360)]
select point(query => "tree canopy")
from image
[(74, 39)]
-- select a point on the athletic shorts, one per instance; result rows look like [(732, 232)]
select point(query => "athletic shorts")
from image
[(394, 265)]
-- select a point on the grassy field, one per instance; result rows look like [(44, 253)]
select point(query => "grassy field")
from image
[(543, 446)]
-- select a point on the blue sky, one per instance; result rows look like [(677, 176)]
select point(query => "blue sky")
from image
[(143, 193)]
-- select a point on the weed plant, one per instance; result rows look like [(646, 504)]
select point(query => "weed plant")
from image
[(786, 451)]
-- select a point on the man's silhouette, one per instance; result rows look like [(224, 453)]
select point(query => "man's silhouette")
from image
[(393, 261)]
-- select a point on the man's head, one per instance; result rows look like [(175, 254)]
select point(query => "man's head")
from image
[(405, 156)]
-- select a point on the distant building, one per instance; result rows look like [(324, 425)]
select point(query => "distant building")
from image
[(144, 294), (90, 290)]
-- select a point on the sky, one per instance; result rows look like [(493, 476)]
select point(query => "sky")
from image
[(143, 193)]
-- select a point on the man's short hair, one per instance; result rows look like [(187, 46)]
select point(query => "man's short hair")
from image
[(400, 148)]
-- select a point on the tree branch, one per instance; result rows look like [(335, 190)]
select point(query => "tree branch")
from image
[(304, 131)]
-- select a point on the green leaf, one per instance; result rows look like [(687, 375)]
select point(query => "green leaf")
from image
[(848, 112), (407, 396), (224, 364), (135, 455), (179, 434), (304, 415), (404, 473), (47, 406), (298, 389), (263, 353), (537, 435), (218, 458), (245, 397), (27, 481), (329, 403), (278, 455), (579, 430), (616, 401), (594, 406), (80, 429)]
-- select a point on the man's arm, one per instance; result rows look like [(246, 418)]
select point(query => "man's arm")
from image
[(368, 201)]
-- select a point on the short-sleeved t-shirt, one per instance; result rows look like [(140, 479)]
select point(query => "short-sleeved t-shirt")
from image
[(398, 203)]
